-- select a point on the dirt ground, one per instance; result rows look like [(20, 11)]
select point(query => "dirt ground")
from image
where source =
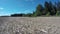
[(29, 25)]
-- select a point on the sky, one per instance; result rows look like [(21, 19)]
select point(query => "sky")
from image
[(8, 7)]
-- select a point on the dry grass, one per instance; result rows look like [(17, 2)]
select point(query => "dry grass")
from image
[(29, 25)]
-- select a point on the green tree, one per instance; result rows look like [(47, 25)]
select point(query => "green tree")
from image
[(48, 14), (58, 6), (50, 8), (46, 9), (39, 10)]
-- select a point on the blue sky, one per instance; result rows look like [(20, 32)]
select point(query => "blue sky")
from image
[(8, 7)]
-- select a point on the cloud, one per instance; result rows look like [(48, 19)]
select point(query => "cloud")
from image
[(29, 0), (27, 11), (1, 8), (32, 1)]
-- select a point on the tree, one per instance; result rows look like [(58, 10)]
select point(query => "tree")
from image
[(58, 8), (50, 8), (29, 15), (17, 15), (39, 10), (46, 10), (54, 10)]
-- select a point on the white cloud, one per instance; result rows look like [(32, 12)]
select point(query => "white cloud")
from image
[(28, 11), (29, 0), (25, 11), (32, 1), (1, 8)]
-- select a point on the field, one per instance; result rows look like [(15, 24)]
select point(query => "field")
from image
[(29, 25)]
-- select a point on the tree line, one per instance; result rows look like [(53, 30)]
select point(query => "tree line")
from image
[(48, 9)]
